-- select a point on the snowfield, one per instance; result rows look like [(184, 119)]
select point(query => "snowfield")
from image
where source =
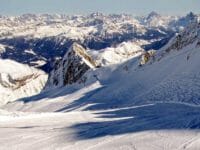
[(149, 127)]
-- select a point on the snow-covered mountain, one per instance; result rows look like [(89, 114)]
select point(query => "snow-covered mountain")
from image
[(173, 68), (156, 20), (42, 38), (75, 63), (176, 23), (44, 41), (125, 95), (19, 81), (78, 60), (119, 53), (22, 39)]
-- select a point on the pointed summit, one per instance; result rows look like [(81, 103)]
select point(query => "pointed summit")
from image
[(191, 17), (152, 15), (72, 67), (76, 50)]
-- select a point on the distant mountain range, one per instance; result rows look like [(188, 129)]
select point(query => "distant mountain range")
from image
[(37, 40), (67, 47)]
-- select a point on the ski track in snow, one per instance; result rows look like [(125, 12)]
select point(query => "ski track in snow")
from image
[(59, 130)]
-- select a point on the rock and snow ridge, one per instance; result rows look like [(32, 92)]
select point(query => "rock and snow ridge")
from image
[(19, 81), (164, 78), (75, 63), (119, 53), (78, 60)]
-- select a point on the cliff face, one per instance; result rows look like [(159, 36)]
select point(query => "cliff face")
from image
[(72, 67)]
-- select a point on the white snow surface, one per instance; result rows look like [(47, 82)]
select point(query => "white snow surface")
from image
[(118, 54), (148, 127), (19, 80), (122, 106), (2, 48)]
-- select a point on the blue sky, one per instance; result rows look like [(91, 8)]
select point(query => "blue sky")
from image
[(16, 7)]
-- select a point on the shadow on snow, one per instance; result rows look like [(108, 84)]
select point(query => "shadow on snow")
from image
[(160, 116)]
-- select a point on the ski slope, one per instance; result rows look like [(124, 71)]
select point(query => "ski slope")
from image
[(148, 127)]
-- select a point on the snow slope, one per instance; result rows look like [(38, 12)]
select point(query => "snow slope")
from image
[(148, 127), (118, 54), (19, 80)]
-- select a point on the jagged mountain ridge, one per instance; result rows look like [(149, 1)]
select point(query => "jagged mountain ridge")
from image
[(78, 60), (129, 50), (71, 67), (170, 77), (42, 38)]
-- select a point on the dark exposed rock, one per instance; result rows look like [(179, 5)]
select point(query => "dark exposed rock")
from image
[(72, 67)]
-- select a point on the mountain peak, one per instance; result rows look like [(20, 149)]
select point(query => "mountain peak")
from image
[(96, 14), (191, 15), (78, 50), (75, 46), (72, 67), (153, 14)]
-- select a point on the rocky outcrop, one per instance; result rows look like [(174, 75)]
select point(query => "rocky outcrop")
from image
[(189, 36), (147, 56), (7, 81), (72, 67)]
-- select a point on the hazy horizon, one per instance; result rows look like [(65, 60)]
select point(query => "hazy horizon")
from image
[(134, 7)]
